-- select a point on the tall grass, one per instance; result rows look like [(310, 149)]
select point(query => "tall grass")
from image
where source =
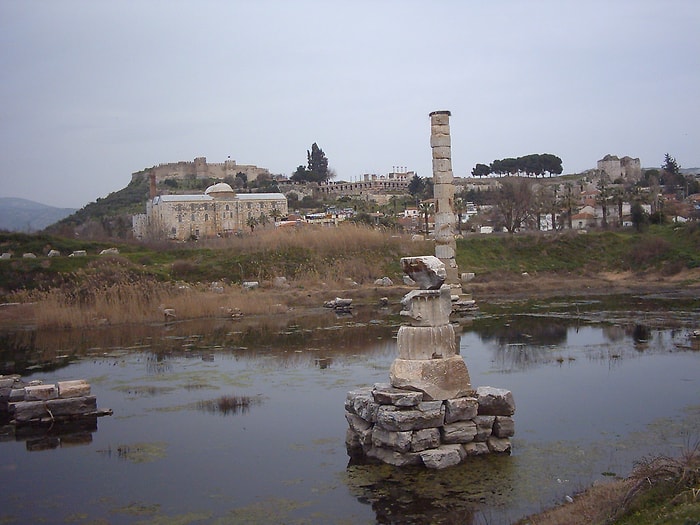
[(347, 237), (111, 292), (114, 290)]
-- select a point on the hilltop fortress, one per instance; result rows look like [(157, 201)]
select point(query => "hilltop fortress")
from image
[(199, 168)]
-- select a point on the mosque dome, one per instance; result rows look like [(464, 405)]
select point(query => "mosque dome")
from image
[(219, 187)]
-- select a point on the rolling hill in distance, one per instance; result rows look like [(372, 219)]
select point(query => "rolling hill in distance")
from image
[(22, 215)]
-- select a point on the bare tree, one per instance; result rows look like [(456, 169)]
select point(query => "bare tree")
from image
[(515, 202)]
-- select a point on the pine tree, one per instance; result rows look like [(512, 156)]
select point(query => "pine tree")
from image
[(317, 164)]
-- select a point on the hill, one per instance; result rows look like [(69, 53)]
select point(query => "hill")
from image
[(108, 216), (22, 215)]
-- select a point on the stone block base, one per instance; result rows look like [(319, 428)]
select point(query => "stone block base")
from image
[(438, 379), (399, 427)]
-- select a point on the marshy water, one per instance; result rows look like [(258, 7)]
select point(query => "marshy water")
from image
[(241, 421)]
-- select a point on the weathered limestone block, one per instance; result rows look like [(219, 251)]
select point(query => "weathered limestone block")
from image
[(461, 409), (426, 342), (440, 141), (361, 403), (440, 117), (459, 432), (27, 410), (356, 423), (428, 271), (443, 190), (40, 392), (8, 381), (442, 152), (350, 397), (352, 439), (424, 439), (359, 438), (16, 395), (436, 378), (504, 427), (475, 448), (388, 418), (77, 388), (385, 394), (427, 307), (442, 457), (441, 165), (73, 406), (484, 427), (392, 457), (445, 251), (495, 401), (498, 445), (444, 230), (440, 127), (399, 441)]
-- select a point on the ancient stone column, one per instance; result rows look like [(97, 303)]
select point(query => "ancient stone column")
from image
[(428, 361), (443, 191)]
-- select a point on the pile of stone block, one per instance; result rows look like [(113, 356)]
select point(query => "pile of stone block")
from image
[(35, 402), (398, 427), (428, 414)]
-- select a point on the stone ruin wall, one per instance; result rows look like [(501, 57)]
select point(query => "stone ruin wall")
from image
[(626, 167), (201, 169)]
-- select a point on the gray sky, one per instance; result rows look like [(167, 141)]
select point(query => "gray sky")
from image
[(94, 90)]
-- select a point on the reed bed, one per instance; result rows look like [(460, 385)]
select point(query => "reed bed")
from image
[(114, 290), (346, 238), (142, 301)]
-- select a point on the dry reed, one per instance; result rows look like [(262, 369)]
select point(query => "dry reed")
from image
[(143, 301), (606, 503), (346, 238), (113, 291)]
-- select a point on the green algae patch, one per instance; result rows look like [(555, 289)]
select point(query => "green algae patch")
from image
[(177, 519), (263, 512), (144, 390), (137, 452), (138, 509)]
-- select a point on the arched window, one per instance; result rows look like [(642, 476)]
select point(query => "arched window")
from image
[(206, 216)]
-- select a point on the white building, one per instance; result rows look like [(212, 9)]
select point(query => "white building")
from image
[(217, 212)]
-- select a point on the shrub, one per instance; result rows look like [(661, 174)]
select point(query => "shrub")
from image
[(648, 251)]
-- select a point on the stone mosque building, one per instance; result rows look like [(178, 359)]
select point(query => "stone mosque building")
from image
[(219, 212)]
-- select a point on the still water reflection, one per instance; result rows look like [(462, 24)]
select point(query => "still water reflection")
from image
[(242, 422)]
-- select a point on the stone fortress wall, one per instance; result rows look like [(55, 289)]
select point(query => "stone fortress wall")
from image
[(201, 169), (396, 182), (626, 167)]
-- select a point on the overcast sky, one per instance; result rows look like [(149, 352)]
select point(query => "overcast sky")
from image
[(94, 90)]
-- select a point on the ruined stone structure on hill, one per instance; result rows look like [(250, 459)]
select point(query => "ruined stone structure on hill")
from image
[(370, 187), (626, 167), (201, 169)]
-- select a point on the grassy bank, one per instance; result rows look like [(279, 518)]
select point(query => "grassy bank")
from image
[(665, 249), (661, 491)]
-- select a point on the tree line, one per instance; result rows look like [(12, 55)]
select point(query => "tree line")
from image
[(535, 165)]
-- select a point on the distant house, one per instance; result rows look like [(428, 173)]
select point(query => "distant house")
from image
[(583, 220)]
